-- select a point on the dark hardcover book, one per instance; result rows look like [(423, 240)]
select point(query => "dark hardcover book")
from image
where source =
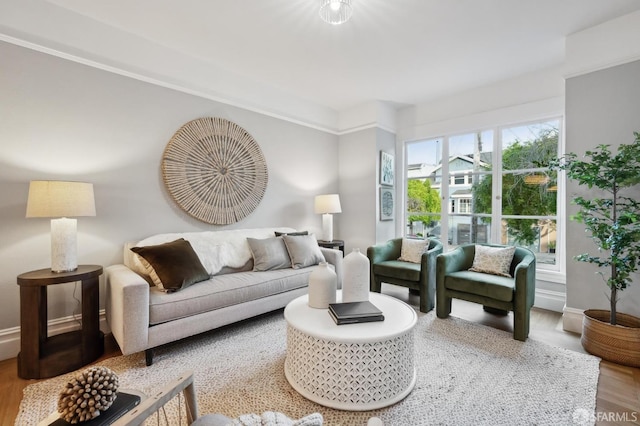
[(123, 403), (356, 320), (354, 312)]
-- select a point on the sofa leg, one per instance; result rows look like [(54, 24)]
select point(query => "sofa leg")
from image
[(148, 355)]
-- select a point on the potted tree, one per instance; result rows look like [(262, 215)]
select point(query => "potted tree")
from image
[(612, 218)]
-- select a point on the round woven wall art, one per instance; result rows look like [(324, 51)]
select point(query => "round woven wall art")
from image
[(214, 170)]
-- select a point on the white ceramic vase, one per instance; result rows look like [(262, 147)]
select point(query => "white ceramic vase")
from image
[(355, 281), (323, 284)]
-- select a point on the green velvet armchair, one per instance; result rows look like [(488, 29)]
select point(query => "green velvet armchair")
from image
[(421, 277), (497, 293)]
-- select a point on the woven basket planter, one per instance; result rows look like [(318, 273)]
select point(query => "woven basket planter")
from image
[(618, 343)]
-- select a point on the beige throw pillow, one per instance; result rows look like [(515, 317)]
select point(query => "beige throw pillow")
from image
[(493, 260), (413, 249)]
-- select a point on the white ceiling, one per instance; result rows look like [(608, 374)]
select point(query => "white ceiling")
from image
[(399, 51)]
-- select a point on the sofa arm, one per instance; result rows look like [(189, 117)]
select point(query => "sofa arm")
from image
[(334, 257), (127, 308)]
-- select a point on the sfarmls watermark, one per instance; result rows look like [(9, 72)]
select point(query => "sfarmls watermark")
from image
[(583, 417)]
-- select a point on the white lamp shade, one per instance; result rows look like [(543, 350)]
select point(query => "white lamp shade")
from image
[(329, 203), (60, 199)]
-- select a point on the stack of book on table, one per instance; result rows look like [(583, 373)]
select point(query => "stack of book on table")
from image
[(354, 312)]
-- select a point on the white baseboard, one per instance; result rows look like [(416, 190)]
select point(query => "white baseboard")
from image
[(572, 320), (550, 300), (10, 337)]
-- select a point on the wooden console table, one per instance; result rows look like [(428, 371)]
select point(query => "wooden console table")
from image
[(42, 356)]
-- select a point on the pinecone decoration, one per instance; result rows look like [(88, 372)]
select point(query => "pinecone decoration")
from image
[(88, 394)]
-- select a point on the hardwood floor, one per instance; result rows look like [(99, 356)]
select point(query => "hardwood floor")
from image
[(618, 396)]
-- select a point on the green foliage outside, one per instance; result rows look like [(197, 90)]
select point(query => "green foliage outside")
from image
[(613, 220), (518, 196), (421, 198)]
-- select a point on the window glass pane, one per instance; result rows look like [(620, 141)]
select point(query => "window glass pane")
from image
[(470, 152), (468, 229), (481, 193), (538, 235), (530, 146), (424, 158), (424, 180), (530, 194)]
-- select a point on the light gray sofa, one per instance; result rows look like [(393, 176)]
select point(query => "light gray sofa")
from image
[(142, 317)]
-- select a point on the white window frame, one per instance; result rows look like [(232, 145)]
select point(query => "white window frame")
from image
[(546, 271)]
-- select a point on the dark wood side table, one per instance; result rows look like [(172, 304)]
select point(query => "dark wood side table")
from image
[(339, 244), (42, 356)]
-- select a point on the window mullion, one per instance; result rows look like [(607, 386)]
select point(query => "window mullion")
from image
[(496, 198)]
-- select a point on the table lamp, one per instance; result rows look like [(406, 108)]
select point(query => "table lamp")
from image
[(59, 200), (326, 205)]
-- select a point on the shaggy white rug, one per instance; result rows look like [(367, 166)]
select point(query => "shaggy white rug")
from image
[(467, 374)]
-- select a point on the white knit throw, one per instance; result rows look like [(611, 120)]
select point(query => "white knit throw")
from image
[(274, 418)]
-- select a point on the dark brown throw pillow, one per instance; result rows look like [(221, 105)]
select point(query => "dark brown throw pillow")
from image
[(172, 266)]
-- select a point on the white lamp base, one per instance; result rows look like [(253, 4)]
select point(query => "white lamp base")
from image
[(64, 245), (327, 227)]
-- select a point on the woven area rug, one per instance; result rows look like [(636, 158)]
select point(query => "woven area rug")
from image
[(467, 374)]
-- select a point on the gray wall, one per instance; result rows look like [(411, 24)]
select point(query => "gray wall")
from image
[(63, 120), (602, 107), (359, 154)]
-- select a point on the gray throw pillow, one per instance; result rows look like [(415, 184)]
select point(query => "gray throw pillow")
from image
[(269, 254), (303, 250)]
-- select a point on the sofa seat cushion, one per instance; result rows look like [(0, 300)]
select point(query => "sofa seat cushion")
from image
[(493, 286), (223, 290), (398, 269)]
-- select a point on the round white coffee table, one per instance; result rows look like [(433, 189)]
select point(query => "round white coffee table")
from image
[(355, 367)]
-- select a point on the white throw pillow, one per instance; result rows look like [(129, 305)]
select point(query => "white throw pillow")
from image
[(412, 250), (493, 260)]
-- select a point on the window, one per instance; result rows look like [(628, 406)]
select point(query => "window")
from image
[(465, 205), (496, 188)]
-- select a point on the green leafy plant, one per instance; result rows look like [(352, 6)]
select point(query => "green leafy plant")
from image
[(612, 220)]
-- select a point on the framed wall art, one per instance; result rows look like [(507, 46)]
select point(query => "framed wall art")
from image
[(386, 168), (387, 205)]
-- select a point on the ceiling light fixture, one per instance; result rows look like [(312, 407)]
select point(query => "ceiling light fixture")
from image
[(336, 12)]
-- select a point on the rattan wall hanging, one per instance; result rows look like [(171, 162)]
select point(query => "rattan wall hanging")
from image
[(214, 170)]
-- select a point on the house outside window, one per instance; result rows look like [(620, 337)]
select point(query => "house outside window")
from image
[(494, 187)]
